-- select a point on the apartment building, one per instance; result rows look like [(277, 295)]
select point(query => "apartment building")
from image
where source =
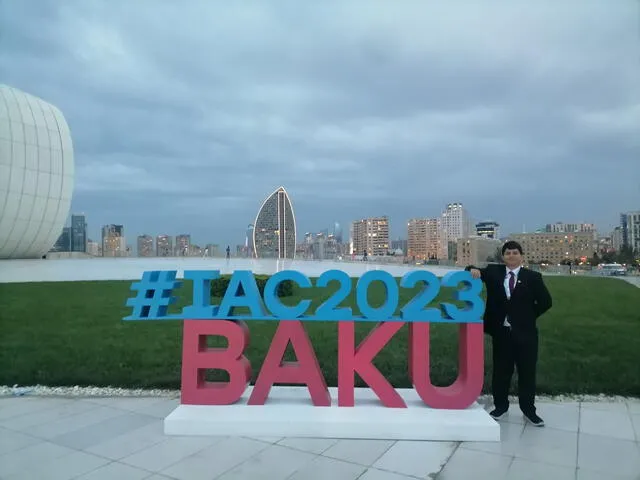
[(371, 235), (555, 247), (113, 241), (477, 250), (425, 239), (145, 246)]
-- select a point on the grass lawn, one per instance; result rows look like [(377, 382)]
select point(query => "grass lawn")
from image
[(71, 333)]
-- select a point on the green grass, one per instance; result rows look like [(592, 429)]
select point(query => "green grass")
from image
[(71, 333)]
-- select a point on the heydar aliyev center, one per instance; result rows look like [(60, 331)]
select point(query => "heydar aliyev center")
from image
[(36, 174)]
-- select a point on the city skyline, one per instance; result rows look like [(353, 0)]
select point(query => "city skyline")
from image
[(474, 227), (527, 115)]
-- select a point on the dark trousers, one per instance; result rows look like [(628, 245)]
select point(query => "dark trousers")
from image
[(514, 350)]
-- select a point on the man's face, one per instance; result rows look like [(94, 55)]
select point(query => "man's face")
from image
[(512, 258)]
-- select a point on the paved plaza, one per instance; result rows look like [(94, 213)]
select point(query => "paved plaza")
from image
[(93, 438)]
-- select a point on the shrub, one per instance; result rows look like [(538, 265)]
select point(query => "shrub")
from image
[(219, 286)]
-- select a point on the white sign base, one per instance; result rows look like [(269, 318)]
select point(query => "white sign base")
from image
[(288, 412)]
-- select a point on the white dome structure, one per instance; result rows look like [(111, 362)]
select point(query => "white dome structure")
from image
[(36, 174)]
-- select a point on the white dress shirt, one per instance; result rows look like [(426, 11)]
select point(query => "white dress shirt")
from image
[(506, 288)]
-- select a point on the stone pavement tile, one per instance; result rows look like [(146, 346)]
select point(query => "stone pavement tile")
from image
[(71, 423), (273, 463), (635, 422), (608, 455), (311, 445), (362, 452), (41, 452), (11, 441), (583, 474), (620, 407), (513, 416), (375, 474), (116, 471), (560, 416), (130, 442), (419, 459), (634, 406), (215, 459), (323, 468), (65, 467), (468, 464), (162, 408), (12, 407), (171, 450), (608, 423), (266, 439), (510, 434), (30, 414), (100, 432), (133, 404), (521, 469), (548, 445)]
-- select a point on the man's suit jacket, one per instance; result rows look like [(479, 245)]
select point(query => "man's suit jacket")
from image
[(529, 300)]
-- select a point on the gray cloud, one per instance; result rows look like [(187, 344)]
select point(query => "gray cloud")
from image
[(185, 117)]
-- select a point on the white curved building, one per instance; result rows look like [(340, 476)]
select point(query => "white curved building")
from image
[(36, 174), (274, 231)]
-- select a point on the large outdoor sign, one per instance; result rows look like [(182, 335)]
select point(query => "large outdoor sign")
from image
[(202, 319)]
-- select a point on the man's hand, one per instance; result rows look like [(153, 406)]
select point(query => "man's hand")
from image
[(475, 273)]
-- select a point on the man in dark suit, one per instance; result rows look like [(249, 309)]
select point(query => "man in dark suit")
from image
[(516, 297)]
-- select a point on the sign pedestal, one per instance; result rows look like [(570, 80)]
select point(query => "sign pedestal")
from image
[(288, 412)]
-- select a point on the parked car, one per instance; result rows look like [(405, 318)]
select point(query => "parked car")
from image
[(612, 269)]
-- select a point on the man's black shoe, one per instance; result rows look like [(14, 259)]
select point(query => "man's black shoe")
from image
[(534, 419), (498, 413)]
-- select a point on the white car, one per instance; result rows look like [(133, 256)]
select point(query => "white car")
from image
[(612, 269)]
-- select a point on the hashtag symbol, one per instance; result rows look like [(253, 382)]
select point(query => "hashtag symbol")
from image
[(154, 295)]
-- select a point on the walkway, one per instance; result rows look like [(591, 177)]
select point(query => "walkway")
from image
[(53, 438)]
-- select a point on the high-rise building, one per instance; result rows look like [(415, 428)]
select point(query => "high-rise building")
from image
[(455, 222), (145, 246), (371, 235), (78, 233), (248, 243), (274, 233), (630, 226), (113, 241), (93, 248), (337, 232), (488, 230), (425, 239), (36, 174), (63, 244), (164, 246), (211, 250), (400, 244), (183, 245)]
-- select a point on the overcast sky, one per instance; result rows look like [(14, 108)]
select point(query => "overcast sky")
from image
[(185, 115)]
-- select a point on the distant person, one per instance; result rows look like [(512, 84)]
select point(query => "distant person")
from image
[(516, 297), (228, 252)]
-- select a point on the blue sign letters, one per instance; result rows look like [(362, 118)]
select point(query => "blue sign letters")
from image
[(155, 288)]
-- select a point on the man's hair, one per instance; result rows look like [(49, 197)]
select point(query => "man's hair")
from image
[(511, 245)]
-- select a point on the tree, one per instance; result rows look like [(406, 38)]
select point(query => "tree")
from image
[(595, 260), (625, 255)]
